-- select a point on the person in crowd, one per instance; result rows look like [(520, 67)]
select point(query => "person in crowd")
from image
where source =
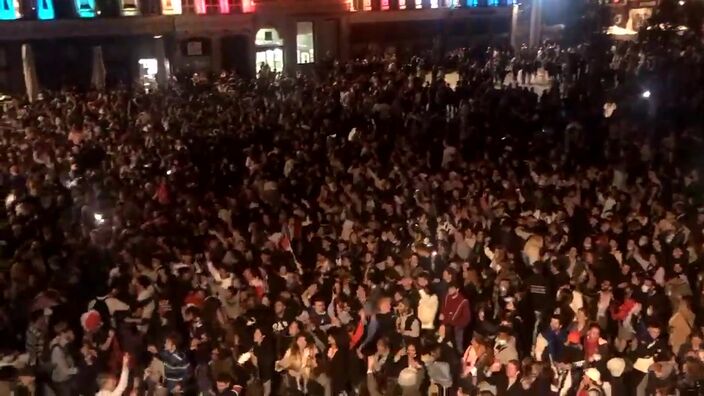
[(109, 386), (364, 230)]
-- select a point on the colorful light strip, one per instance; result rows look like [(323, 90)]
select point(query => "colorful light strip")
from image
[(45, 10), (171, 7), (9, 10)]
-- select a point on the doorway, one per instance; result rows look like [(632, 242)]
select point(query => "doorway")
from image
[(269, 50), (236, 56)]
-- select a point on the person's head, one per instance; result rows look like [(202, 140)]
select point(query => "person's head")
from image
[(382, 345), (654, 330), (594, 331), (411, 350), (107, 381), (301, 341), (279, 307), (171, 342), (66, 336), (452, 289), (332, 342), (223, 382), (258, 335), (294, 328), (404, 306), (384, 305), (555, 323), (319, 306), (648, 286), (422, 280), (448, 275), (513, 368)]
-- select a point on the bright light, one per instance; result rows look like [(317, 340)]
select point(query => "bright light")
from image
[(158, 36), (681, 2), (99, 219), (645, 94)]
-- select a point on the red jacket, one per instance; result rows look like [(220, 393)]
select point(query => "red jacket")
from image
[(455, 311), (623, 310)]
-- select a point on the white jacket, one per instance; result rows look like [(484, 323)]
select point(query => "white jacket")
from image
[(427, 310)]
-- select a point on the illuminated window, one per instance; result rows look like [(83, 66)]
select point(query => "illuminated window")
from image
[(385, 5), (45, 10), (305, 43), (493, 3), (401, 4), (199, 6), (85, 8), (9, 10), (268, 37), (434, 3), (129, 7), (472, 3), (247, 6), (171, 7), (419, 4), (367, 5), (224, 6)]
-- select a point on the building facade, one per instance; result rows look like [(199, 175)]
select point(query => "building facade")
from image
[(142, 40)]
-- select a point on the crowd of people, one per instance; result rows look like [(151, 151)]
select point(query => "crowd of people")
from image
[(367, 232)]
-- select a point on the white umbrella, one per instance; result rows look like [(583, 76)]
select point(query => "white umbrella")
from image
[(31, 81), (98, 74)]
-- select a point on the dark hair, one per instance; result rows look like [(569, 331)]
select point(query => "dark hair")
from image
[(223, 377), (144, 281), (36, 315)]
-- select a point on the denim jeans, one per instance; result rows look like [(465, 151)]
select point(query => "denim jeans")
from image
[(459, 339)]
